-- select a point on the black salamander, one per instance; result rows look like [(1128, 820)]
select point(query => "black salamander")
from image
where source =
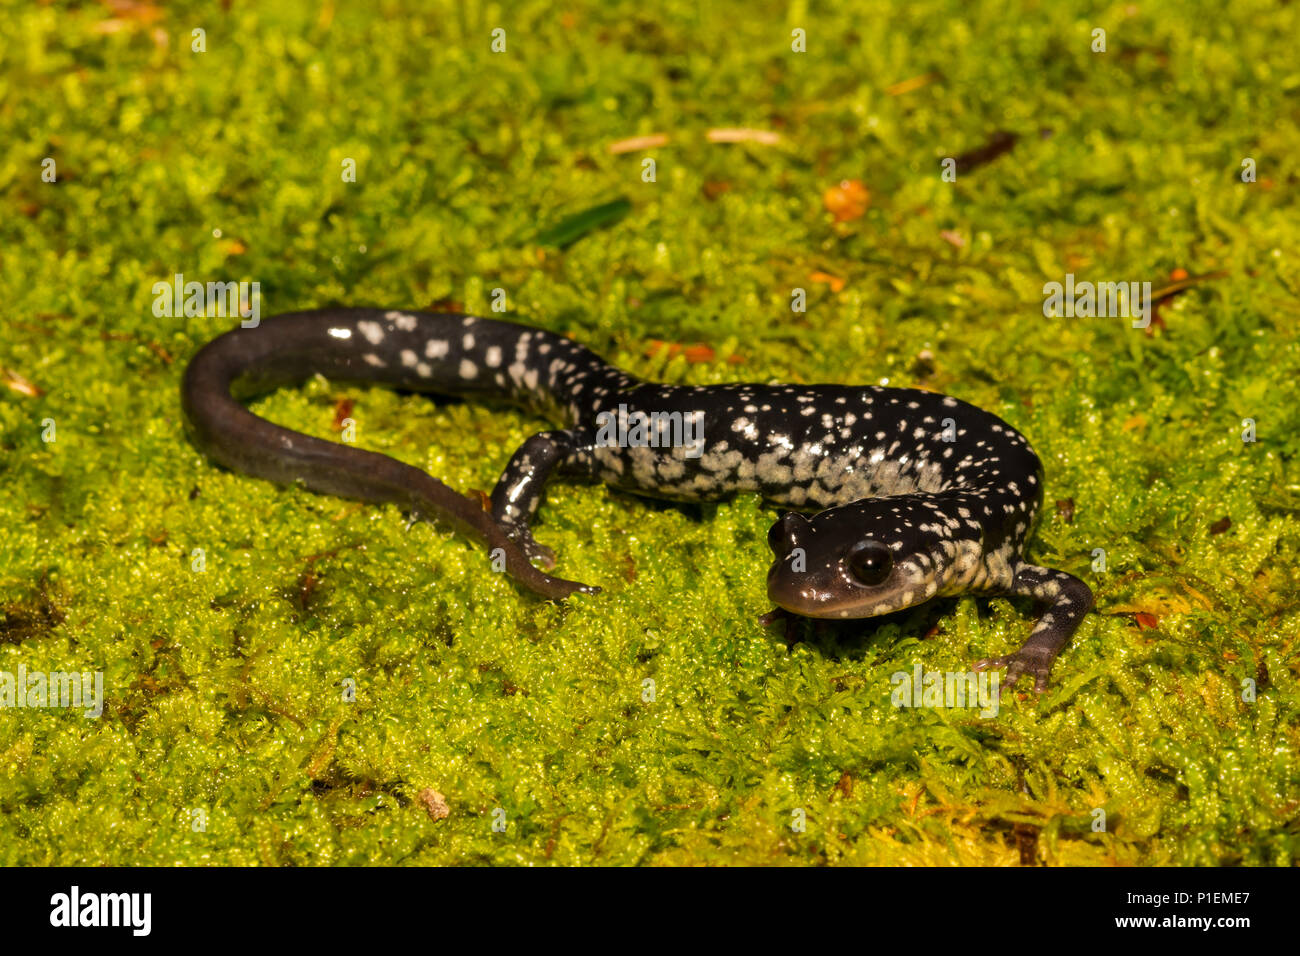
[(896, 496)]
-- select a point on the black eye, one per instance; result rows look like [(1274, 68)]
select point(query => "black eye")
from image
[(776, 539), (870, 562), (781, 536)]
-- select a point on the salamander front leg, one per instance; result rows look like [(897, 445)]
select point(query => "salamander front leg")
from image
[(1068, 600), (518, 493)]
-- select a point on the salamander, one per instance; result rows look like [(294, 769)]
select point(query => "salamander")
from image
[(893, 496)]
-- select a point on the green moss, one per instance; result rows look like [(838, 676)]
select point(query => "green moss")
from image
[(226, 687)]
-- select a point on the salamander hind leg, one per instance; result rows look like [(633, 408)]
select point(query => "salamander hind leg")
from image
[(518, 493), (1068, 599)]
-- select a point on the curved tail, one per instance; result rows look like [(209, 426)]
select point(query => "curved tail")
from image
[(363, 345)]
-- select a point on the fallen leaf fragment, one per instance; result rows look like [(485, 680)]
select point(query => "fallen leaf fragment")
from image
[(435, 804), (342, 411), (847, 201), (692, 353), (835, 282)]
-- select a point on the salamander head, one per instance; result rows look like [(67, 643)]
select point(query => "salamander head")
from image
[(858, 560)]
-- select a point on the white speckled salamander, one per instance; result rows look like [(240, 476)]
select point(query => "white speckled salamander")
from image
[(897, 495)]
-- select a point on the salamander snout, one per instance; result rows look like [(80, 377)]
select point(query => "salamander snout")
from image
[(831, 567)]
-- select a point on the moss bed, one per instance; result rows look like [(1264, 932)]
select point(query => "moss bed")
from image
[(226, 736)]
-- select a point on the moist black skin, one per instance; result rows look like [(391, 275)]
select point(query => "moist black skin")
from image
[(896, 496)]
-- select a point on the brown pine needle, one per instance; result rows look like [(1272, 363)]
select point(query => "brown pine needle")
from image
[(763, 136), (19, 384), (634, 143)]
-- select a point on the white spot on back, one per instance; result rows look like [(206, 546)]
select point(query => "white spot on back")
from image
[(402, 320)]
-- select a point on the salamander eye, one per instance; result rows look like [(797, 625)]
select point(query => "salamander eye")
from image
[(870, 562), (781, 537)]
